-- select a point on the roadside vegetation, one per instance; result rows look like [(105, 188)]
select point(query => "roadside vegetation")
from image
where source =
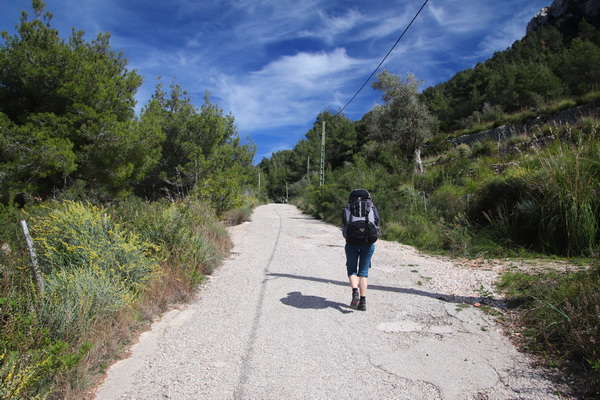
[(128, 212), (106, 273), (558, 318)]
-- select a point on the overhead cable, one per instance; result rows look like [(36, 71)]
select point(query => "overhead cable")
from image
[(384, 58)]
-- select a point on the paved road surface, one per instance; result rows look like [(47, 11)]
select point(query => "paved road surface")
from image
[(274, 323)]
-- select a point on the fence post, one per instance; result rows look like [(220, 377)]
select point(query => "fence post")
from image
[(36, 271)]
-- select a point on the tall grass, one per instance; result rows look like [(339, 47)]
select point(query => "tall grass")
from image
[(569, 202), (560, 318), (549, 200), (191, 239)]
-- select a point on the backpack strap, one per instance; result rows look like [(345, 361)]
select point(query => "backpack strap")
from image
[(367, 222)]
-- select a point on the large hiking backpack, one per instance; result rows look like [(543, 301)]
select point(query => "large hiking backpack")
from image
[(359, 216)]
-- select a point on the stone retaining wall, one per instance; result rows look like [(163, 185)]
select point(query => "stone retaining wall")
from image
[(565, 117)]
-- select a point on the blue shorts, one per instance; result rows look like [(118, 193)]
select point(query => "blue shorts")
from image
[(358, 259)]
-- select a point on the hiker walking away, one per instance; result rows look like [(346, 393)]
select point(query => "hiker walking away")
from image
[(360, 227)]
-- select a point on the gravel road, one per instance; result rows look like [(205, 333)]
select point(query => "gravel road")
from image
[(274, 322)]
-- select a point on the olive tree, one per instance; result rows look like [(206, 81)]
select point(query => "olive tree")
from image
[(403, 121)]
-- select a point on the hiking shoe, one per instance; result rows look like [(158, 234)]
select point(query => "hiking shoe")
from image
[(355, 299), (362, 305)]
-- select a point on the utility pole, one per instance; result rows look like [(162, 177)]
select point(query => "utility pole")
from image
[(322, 180)]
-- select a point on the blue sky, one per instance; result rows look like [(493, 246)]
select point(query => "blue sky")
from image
[(275, 64)]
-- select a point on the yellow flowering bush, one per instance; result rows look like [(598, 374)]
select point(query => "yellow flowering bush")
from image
[(91, 267), (16, 379), (75, 236)]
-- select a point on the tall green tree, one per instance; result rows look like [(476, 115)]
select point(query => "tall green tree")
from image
[(280, 171), (72, 101), (579, 66), (228, 166), (202, 153), (522, 85), (404, 121)]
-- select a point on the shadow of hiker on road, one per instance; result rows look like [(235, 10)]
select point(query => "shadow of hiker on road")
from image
[(439, 296), (299, 300)]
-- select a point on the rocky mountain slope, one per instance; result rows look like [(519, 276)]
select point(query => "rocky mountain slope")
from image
[(566, 14)]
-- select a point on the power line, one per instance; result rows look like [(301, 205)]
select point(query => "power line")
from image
[(384, 58)]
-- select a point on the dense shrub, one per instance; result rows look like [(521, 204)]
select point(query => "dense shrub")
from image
[(325, 202), (75, 236), (415, 230), (449, 201), (190, 239)]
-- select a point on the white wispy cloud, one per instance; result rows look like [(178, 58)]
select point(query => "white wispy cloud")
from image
[(458, 17), (332, 27), (507, 32), (275, 64), (287, 90)]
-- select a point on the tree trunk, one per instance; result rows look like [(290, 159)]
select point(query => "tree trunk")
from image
[(418, 161)]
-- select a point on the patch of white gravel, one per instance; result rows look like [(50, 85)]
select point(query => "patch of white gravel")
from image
[(472, 280), (447, 278)]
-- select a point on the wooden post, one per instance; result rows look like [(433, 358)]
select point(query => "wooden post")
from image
[(36, 271)]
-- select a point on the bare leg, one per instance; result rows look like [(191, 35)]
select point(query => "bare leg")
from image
[(353, 281), (362, 284)]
